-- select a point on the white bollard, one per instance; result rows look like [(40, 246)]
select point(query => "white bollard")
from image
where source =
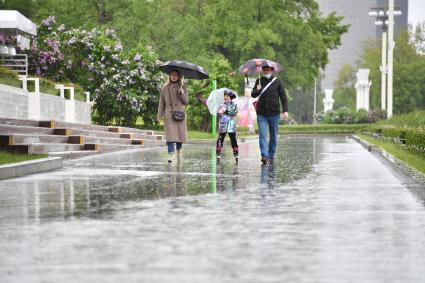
[(23, 78), (61, 89), (362, 89), (328, 101), (71, 92), (37, 84)]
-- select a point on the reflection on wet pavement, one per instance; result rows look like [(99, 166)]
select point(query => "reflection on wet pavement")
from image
[(326, 211)]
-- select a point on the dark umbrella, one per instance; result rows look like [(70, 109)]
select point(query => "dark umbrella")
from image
[(186, 69), (253, 66)]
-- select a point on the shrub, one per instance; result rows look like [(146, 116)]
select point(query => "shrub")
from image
[(124, 83), (345, 115)]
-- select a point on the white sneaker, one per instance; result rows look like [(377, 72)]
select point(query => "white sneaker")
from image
[(170, 157)]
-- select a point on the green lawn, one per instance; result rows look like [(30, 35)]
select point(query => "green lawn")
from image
[(7, 157), (322, 129), (414, 119), (413, 159), (9, 78)]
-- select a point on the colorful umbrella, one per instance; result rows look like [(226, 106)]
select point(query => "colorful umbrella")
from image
[(253, 67)]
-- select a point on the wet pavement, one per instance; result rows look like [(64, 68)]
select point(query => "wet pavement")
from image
[(327, 211)]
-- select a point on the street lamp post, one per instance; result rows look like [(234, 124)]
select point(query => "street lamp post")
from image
[(315, 102), (390, 58), (385, 19)]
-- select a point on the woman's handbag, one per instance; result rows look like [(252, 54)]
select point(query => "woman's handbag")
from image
[(178, 116)]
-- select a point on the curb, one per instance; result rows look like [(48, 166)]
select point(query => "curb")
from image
[(24, 168), (405, 172)]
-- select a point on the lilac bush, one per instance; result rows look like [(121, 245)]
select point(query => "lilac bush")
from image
[(124, 83)]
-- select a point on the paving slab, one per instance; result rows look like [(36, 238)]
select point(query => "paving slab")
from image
[(327, 211)]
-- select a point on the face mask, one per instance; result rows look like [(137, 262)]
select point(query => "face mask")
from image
[(268, 76)]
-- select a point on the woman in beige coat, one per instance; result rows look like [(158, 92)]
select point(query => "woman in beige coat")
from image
[(174, 97)]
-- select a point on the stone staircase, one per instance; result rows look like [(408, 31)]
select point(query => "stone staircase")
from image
[(71, 140)]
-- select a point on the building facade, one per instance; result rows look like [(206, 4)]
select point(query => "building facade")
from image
[(362, 28)]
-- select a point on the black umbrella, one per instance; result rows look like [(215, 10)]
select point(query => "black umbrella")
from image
[(186, 69)]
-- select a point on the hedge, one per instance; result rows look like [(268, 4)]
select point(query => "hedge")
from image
[(409, 136)]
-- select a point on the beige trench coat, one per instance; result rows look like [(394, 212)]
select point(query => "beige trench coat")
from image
[(171, 100)]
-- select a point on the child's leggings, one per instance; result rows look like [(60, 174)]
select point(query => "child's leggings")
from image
[(233, 141)]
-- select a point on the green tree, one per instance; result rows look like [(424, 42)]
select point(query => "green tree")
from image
[(221, 71), (409, 69), (344, 91)]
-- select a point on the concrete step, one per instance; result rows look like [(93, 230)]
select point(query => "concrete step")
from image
[(54, 147), (119, 129), (113, 129), (103, 134), (59, 124), (122, 141), (29, 139), (115, 147), (38, 148), (19, 122), (13, 129), (98, 134), (141, 136)]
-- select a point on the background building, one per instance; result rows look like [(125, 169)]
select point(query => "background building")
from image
[(362, 28)]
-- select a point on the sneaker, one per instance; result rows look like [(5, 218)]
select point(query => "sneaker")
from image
[(264, 160), (170, 157), (179, 155), (218, 158), (237, 159)]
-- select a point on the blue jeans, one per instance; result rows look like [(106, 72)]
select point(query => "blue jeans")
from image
[(170, 146), (268, 125)]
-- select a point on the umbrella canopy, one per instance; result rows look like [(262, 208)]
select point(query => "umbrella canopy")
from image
[(216, 98), (253, 66), (186, 69)]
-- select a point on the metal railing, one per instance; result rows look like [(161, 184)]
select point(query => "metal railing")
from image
[(17, 63), (400, 142)]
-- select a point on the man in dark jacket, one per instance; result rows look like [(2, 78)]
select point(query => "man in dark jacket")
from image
[(271, 91)]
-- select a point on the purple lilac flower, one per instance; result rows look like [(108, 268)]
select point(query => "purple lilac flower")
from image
[(126, 62), (118, 47), (49, 21), (61, 28), (115, 56), (72, 40), (2, 38), (137, 57)]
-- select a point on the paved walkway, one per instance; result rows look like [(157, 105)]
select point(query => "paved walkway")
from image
[(328, 211)]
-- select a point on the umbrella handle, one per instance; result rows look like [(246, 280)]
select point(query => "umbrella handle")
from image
[(181, 86), (259, 79)]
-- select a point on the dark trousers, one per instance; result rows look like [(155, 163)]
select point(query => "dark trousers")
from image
[(233, 141)]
